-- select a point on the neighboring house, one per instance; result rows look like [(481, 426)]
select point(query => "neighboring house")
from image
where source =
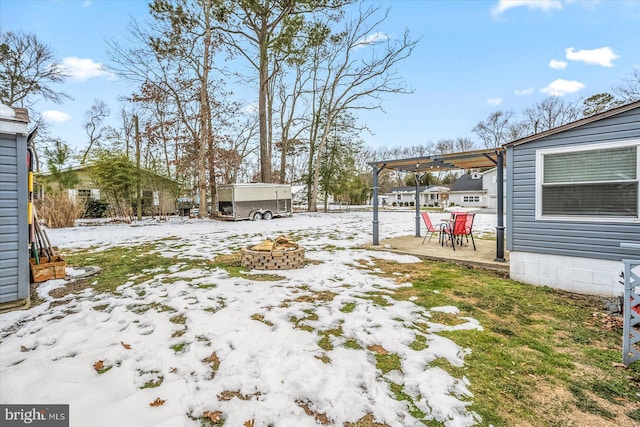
[(477, 189), (467, 191), (572, 200), (429, 195), (159, 193)]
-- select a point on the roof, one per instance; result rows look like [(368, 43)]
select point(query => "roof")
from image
[(577, 123), (442, 162), (421, 189), (83, 167), (466, 183)]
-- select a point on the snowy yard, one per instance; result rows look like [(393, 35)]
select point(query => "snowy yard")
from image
[(304, 350)]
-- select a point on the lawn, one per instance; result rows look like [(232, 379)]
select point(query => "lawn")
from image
[(542, 358), (174, 331)]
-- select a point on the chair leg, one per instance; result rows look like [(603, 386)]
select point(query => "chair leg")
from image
[(472, 241), (425, 238), (453, 244)]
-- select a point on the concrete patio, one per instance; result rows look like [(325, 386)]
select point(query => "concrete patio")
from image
[(484, 255)]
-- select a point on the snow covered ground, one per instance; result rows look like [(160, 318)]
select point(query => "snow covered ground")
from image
[(239, 356)]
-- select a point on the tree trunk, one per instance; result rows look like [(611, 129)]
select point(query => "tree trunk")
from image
[(265, 153), (205, 132)]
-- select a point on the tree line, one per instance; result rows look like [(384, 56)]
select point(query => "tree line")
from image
[(315, 64)]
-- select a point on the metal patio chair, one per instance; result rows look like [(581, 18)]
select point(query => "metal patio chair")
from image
[(431, 229)]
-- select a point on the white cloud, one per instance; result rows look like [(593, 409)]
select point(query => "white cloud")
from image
[(494, 101), (524, 91), (83, 69), (372, 39), (544, 5), (602, 56), (562, 87), (55, 116), (558, 65)]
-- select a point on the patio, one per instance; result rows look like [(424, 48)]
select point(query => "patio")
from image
[(483, 257)]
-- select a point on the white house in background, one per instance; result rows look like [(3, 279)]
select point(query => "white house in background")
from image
[(429, 196), (477, 189)]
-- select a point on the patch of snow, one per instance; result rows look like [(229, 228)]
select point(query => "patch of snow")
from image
[(204, 341)]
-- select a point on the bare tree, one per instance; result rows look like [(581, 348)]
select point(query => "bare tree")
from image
[(463, 144), (629, 90), (353, 71), (93, 126), (550, 113), (272, 29), (494, 131), (174, 56), (28, 69), (445, 146)]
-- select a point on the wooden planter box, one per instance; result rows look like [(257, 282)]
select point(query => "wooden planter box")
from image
[(49, 268)]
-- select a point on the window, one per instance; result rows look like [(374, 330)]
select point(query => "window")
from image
[(593, 182), (84, 195), (471, 199)]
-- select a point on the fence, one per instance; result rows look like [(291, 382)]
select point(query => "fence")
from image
[(631, 329)]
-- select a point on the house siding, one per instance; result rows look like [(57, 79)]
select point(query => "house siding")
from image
[(14, 262), (597, 240)]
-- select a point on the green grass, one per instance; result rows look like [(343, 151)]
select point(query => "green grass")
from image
[(540, 358), (535, 342), (118, 264), (178, 347), (388, 362)]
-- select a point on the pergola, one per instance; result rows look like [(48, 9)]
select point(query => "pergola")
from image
[(492, 157)]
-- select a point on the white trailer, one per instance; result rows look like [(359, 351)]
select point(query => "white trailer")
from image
[(253, 201)]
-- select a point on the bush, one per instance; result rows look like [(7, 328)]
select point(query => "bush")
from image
[(95, 209), (394, 204), (58, 210), (412, 203)]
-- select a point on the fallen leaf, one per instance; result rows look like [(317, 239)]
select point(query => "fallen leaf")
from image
[(249, 423), (127, 346), (213, 416), (377, 349), (23, 348), (173, 370), (157, 402), (213, 359), (99, 365)]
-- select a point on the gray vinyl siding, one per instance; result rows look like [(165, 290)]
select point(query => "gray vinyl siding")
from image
[(599, 240), (14, 266)]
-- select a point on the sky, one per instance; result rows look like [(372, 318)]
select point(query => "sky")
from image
[(268, 368), (472, 58)]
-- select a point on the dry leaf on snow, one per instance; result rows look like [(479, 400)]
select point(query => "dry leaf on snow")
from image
[(213, 416), (99, 365), (157, 402), (249, 423), (127, 346)]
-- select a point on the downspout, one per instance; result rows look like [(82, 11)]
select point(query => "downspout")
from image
[(500, 221)]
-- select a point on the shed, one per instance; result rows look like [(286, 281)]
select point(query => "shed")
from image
[(573, 204), (14, 245)]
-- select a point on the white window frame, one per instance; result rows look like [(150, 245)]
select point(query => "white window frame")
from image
[(540, 153)]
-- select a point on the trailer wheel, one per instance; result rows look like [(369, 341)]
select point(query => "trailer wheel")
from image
[(267, 215), (257, 216)]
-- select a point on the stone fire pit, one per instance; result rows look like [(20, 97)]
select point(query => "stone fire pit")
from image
[(279, 254)]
